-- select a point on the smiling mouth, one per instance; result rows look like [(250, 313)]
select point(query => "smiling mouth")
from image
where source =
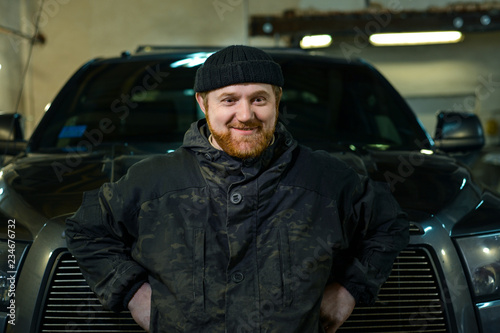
[(244, 129)]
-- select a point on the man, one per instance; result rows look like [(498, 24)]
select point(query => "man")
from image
[(241, 229)]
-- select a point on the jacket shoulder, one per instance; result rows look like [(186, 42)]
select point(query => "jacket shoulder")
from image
[(319, 161), (320, 171), (167, 172)]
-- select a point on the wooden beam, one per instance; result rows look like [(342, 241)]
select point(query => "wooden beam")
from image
[(369, 22)]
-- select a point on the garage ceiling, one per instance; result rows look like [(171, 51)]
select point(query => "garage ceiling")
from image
[(295, 24)]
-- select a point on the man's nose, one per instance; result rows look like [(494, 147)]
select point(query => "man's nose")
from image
[(245, 112)]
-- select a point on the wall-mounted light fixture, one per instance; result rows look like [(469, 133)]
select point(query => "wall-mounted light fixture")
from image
[(316, 41), (416, 38)]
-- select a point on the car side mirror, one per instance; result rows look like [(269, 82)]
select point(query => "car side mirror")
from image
[(458, 132), (11, 134)]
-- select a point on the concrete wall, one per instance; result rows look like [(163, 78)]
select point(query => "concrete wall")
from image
[(13, 53), (78, 30)]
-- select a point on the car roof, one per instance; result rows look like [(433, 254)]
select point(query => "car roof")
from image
[(145, 52)]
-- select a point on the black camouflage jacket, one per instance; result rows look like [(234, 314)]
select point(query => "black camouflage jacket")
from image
[(237, 246)]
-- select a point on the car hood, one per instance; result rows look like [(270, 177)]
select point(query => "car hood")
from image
[(422, 184), (42, 186)]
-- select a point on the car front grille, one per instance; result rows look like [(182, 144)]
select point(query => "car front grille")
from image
[(71, 306), (410, 301)]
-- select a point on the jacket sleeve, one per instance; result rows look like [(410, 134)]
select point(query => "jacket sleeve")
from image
[(100, 236), (377, 230)]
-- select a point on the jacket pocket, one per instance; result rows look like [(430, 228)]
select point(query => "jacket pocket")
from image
[(275, 269), (285, 266), (198, 269)]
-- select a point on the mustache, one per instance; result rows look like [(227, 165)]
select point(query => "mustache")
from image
[(248, 124)]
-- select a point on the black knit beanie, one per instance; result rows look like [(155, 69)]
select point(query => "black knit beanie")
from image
[(237, 64)]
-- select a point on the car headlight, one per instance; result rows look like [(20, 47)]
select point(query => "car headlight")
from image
[(482, 258), (11, 254)]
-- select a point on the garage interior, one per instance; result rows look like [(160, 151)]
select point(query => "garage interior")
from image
[(43, 42), (117, 112)]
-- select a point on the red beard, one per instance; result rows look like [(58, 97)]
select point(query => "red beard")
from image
[(244, 146)]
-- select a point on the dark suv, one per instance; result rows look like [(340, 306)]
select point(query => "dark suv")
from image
[(115, 112)]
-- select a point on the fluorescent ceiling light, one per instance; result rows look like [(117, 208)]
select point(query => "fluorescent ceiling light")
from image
[(416, 38), (309, 42)]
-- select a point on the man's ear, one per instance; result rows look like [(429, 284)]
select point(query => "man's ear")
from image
[(279, 97), (201, 103)]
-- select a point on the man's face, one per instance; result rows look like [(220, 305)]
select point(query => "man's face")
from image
[(241, 118)]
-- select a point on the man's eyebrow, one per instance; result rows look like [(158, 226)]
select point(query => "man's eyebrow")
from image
[(227, 94), (236, 94), (261, 92)]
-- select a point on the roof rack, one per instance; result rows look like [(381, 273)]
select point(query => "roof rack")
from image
[(164, 48)]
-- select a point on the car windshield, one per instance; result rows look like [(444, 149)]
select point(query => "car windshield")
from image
[(149, 104)]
